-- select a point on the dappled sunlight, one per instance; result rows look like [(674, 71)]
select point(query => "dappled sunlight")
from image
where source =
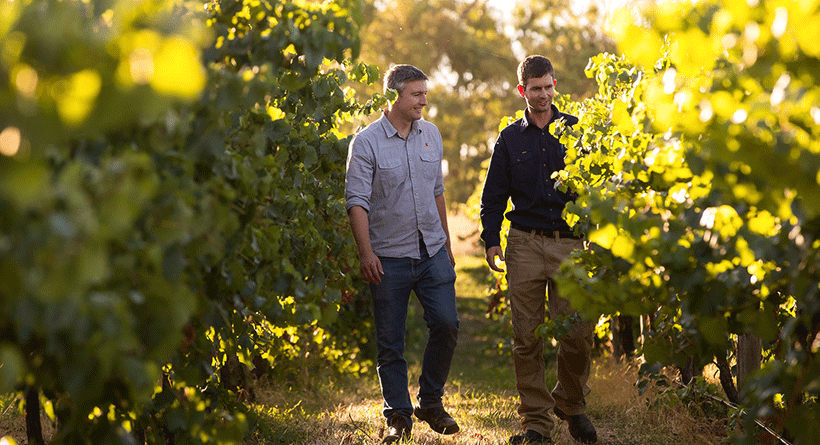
[(350, 413), (302, 417)]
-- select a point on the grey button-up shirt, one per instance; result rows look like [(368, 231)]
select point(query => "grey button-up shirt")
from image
[(396, 181)]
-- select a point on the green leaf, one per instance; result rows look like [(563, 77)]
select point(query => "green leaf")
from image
[(657, 351), (12, 368), (714, 330), (310, 158), (604, 236)]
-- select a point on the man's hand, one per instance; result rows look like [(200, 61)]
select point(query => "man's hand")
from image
[(493, 252), (371, 268), (369, 263)]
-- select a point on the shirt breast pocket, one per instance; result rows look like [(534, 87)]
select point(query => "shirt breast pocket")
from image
[(390, 172), (523, 173), (430, 165)]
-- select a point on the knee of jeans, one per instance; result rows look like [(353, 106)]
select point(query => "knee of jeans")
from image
[(453, 327), (447, 325), (388, 353), (390, 342)]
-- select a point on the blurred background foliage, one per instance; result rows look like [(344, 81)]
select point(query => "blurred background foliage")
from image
[(471, 50)]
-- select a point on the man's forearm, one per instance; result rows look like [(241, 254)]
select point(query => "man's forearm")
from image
[(491, 228), (359, 225), (441, 206)]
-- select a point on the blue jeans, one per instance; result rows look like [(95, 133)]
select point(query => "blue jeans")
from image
[(433, 282)]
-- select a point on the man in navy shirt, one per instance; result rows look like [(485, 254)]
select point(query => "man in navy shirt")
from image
[(523, 160)]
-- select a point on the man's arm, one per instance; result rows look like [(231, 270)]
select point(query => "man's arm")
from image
[(441, 205), (358, 188), (494, 199), (369, 263)]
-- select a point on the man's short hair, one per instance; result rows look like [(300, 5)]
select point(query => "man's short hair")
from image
[(534, 67), (398, 76)]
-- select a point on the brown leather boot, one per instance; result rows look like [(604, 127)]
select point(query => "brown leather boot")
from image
[(438, 419), (398, 429)]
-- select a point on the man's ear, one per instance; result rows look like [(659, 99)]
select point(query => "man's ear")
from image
[(521, 90)]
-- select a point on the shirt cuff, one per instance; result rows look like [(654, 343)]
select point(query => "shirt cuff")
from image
[(490, 240), (352, 202)]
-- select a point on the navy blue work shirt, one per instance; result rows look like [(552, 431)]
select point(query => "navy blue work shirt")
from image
[(522, 163)]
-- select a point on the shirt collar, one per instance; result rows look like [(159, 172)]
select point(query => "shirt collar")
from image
[(525, 121), (390, 130)]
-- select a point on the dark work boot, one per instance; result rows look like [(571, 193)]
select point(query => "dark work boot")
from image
[(530, 437), (438, 419), (398, 429), (580, 427)]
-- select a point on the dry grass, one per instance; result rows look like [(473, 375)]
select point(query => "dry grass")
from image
[(621, 416), (484, 418), (480, 395)]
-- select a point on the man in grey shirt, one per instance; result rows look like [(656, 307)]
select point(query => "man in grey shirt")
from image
[(394, 194)]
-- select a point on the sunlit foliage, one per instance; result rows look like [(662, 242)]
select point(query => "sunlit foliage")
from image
[(170, 211), (696, 166)]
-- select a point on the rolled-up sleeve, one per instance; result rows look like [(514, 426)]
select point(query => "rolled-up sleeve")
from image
[(359, 173)]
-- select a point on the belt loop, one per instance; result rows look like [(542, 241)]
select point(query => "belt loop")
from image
[(557, 235)]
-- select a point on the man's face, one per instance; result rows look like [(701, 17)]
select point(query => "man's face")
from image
[(538, 93), (411, 101)]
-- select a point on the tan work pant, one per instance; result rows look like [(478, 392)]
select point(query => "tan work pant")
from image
[(532, 260)]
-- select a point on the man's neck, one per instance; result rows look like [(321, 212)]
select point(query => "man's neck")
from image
[(541, 119), (402, 126)]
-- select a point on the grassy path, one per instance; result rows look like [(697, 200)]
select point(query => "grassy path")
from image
[(480, 395)]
